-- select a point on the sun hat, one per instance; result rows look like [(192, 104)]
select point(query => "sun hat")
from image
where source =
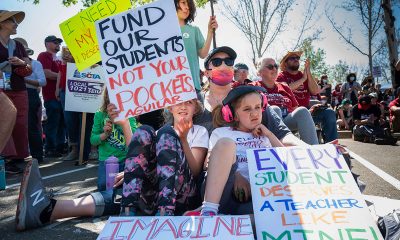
[(18, 15)]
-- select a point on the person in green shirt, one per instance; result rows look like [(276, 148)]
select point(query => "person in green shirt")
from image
[(111, 137), (193, 39)]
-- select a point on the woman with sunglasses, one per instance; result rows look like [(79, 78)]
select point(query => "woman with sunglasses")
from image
[(283, 101)]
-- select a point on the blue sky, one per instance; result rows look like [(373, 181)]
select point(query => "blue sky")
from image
[(43, 19)]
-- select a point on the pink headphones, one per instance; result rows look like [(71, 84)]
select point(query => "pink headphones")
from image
[(227, 111)]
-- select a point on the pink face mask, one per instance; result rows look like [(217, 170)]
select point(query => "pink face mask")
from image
[(221, 77)]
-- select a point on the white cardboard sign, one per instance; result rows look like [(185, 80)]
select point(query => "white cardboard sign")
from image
[(307, 193), (144, 59), (178, 227), (84, 90)]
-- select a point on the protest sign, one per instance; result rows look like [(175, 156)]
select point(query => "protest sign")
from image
[(144, 59), (178, 227), (307, 193), (79, 32), (84, 90)]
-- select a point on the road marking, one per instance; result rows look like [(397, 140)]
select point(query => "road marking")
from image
[(57, 175), (391, 180)]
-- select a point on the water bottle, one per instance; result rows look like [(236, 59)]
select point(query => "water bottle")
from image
[(2, 174), (112, 169)]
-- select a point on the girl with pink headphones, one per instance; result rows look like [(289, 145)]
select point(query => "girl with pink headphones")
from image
[(227, 181)]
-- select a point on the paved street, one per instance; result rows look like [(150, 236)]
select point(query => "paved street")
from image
[(81, 180)]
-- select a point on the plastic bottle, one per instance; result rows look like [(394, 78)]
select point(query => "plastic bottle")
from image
[(2, 174), (112, 169)]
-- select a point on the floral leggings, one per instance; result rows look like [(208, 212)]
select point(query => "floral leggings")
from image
[(157, 177)]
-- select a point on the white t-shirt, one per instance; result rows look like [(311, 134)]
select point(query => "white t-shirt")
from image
[(198, 137), (243, 141)]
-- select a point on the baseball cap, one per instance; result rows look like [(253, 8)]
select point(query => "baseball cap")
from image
[(25, 44), (232, 54), (239, 91), (241, 66), (53, 38)]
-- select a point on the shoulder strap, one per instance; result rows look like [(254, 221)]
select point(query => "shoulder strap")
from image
[(11, 47)]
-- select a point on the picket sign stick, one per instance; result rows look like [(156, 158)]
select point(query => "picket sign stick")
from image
[(212, 14), (82, 145)]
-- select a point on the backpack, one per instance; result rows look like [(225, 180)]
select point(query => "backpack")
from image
[(389, 225)]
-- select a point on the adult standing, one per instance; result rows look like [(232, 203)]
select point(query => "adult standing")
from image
[(33, 84), (12, 57), (303, 86), (283, 101), (350, 88), (54, 128)]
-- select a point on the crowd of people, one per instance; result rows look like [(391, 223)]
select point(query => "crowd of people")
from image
[(186, 156)]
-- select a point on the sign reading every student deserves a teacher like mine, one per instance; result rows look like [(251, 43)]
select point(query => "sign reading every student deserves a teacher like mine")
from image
[(307, 193), (144, 59)]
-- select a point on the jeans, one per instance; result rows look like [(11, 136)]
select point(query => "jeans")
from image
[(73, 123), (54, 128), (35, 124), (300, 120), (327, 119)]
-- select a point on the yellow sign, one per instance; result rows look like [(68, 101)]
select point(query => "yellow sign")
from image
[(79, 32)]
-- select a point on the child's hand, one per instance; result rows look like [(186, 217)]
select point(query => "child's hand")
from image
[(107, 129), (242, 188), (183, 127), (113, 113), (261, 130), (212, 24), (119, 179)]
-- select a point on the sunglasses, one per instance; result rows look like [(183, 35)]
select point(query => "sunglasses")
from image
[(271, 66), (293, 58), (216, 62)]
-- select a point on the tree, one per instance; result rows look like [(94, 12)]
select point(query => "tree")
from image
[(260, 21), (339, 71), (317, 57), (370, 15), (88, 3)]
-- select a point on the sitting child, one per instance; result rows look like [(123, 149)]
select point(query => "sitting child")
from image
[(109, 136), (227, 170), (345, 115), (160, 171)]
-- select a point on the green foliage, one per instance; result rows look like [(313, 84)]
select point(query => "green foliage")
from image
[(317, 58), (88, 3), (339, 71)]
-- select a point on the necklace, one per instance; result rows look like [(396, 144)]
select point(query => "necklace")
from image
[(215, 101)]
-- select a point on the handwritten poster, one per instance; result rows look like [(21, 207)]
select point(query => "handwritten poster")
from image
[(144, 59), (84, 90), (307, 193), (79, 32), (216, 227)]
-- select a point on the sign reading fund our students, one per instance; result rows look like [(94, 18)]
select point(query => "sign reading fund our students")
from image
[(178, 227), (144, 59), (79, 32), (307, 193), (84, 90)]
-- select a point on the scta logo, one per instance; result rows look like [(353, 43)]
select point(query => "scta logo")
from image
[(78, 74)]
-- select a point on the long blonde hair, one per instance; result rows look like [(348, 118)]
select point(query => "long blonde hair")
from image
[(218, 119), (106, 101), (169, 118)]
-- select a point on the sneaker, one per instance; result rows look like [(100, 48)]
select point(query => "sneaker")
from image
[(73, 155), (32, 198), (93, 155), (12, 168)]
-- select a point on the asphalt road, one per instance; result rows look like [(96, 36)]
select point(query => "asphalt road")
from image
[(83, 181)]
